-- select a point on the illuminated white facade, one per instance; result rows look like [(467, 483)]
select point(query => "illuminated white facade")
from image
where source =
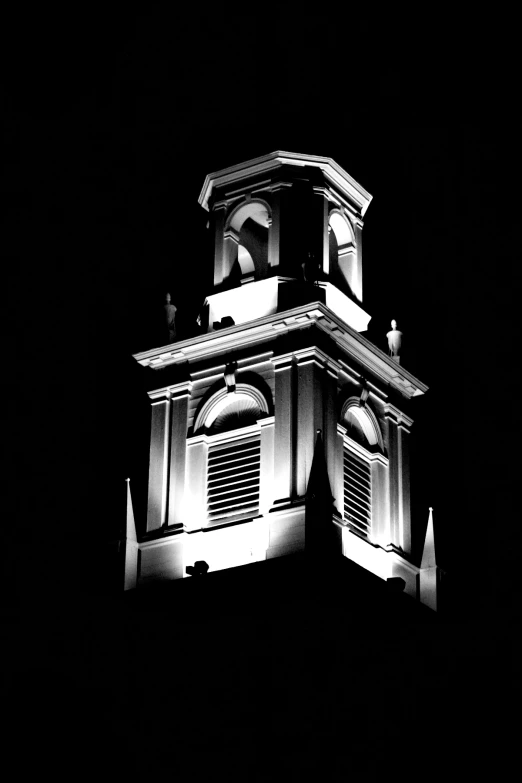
[(236, 410)]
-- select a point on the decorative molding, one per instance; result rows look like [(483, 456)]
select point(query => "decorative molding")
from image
[(231, 233), (334, 174), (275, 186), (183, 389), (263, 330), (283, 361), (222, 399), (366, 418), (397, 416)]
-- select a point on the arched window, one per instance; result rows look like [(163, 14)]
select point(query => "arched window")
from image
[(231, 424), (362, 440)]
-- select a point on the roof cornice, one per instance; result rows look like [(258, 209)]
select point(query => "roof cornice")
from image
[(266, 328), (274, 160)]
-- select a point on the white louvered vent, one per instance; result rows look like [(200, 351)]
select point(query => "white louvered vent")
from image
[(233, 478), (357, 492)]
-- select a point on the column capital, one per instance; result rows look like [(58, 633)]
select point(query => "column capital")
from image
[(397, 416), (232, 234), (171, 392), (279, 186), (282, 362), (321, 190), (319, 357)]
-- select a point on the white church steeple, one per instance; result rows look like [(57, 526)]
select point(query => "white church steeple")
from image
[(235, 411)]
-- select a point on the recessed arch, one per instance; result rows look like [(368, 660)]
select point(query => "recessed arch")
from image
[(364, 419), (341, 228), (247, 229)]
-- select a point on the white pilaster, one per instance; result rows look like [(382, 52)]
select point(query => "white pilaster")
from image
[(180, 396), (266, 483), (283, 428), (393, 480), (158, 463), (219, 246), (321, 212), (404, 486), (357, 276), (309, 413)]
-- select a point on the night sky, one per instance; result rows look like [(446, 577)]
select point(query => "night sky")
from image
[(110, 126)]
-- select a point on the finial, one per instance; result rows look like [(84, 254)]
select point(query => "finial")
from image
[(394, 341), (170, 317)]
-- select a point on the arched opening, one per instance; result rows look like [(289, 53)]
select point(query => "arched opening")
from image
[(342, 254), (248, 227)]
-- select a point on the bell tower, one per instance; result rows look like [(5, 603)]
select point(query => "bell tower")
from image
[(279, 378), (280, 222)]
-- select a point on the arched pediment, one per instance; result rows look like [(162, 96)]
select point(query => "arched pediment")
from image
[(229, 410)]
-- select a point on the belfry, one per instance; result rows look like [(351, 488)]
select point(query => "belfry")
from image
[(279, 375)]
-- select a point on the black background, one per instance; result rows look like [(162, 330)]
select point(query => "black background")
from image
[(111, 124)]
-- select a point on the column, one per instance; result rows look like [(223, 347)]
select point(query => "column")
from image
[(230, 250), (266, 488), (158, 460), (309, 414), (338, 485), (219, 248), (283, 434), (393, 478), (320, 214), (357, 287), (330, 432), (273, 231), (180, 396), (348, 266), (404, 485)]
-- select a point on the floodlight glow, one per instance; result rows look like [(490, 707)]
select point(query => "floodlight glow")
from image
[(244, 303)]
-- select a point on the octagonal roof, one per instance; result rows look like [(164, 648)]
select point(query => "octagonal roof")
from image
[(274, 160)]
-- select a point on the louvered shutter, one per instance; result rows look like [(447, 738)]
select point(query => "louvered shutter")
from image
[(357, 492), (233, 478)]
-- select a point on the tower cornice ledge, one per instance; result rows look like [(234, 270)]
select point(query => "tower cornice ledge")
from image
[(274, 160), (263, 330)]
